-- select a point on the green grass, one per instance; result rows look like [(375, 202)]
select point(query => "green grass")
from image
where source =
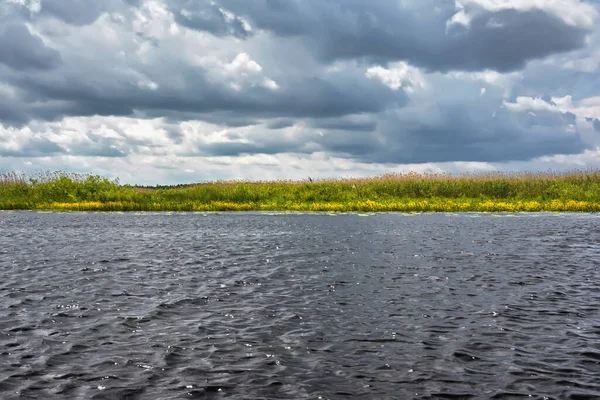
[(571, 191)]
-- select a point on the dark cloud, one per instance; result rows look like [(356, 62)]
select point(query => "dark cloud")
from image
[(95, 150), (96, 146), (346, 124), (174, 133), (229, 119), (75, 12), (34, 147), (239, 148), (21, 50), (207, 16), (595, 123), (523, 36), (569, 117), (12, 114), (236, 143), (280, 124), (356, 145), (109, 94), (382, 31), (462, 135), (265, 145)]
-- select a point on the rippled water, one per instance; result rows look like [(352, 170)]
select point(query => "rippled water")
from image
[(256, 306)]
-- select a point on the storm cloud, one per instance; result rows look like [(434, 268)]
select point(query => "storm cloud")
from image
[(426, 33), (353, 85), (22, 50)]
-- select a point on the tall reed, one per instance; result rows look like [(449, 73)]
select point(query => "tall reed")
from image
[(547, 191)]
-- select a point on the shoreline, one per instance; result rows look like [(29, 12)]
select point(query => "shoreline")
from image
[(402, 206), (319, 213)]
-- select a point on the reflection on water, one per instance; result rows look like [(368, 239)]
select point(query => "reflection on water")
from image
[(156, 306)]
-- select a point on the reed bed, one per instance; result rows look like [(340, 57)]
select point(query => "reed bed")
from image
[(494, 192)]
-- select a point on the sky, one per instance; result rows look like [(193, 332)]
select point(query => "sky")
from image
[(175, 91)]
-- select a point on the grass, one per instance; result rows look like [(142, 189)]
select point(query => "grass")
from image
[(493, 192)]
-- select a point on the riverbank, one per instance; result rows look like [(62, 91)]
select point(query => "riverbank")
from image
[(576, 191)]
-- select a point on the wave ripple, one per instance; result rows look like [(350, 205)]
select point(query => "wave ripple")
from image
[(254, 306)]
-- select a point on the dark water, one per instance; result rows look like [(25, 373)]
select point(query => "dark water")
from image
[(251, 306)]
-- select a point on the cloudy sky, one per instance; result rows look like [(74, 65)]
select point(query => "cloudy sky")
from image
[(169, 91)]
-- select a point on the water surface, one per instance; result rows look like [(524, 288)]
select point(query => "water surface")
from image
[(255, 306)]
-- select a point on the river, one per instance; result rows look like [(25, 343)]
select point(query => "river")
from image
[(299, 306)]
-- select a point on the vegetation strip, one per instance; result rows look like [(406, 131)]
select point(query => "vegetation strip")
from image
[(572, 191)]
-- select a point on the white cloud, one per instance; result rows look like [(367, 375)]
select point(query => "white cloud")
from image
[(200, 132), (242, 72), (488, 76), (524, 103), (231, 17), (13, 139), (86, 135), (243, 65), (154, 20), (587, 107), (148, 85), (34, 6), (270, 84), (588, 64), (590, 157), (399, 75)]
